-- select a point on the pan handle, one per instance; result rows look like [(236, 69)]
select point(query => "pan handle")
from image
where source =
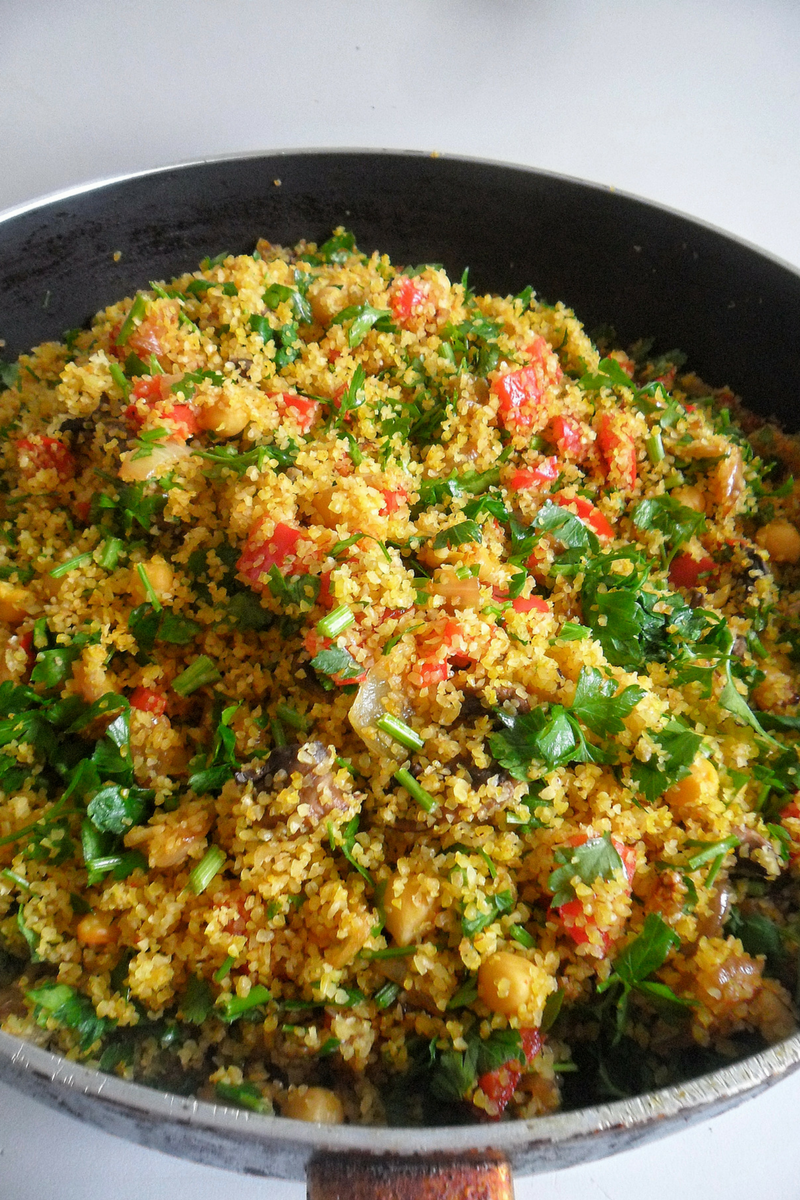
[(364, 1177)]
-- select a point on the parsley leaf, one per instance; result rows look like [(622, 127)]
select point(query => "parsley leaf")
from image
[(678, 748), (676, 521), (362, 318), (70, 1009), (596, 858), (336, 661), (499, 902), (598, 706), (114, 809), (458, 535)]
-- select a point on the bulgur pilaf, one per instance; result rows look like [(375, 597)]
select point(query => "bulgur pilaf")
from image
[(399, 699)]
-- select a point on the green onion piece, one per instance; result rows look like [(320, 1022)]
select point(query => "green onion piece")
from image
[(154, 366), (710, 851), (389, 952), (328, 1047), (224, 970), (348, 766), (197, 675), (71, 563), (278, 734), (522, 936), (386, 996), (235, 1006), (572, 632), (244, 1095), (399, 732), (118, 375), (714, 871), (17, 879), (415, 790), (138, 309), (655, 448), (149, 591), (109, 553), (336, 622), (209, 866), (290, 716), (41, 637)]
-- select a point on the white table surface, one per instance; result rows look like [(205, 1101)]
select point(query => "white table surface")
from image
[(694, 103)]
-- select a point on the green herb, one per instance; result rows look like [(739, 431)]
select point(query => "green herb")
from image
[(28, 934), (465, 995), (70, 565), (675, 521), (458, 535), (521, 935), (709, 852), (110, 553), (198, 1000), (203, 872), (232, 1007), (243, 1095), (571, 632), (640, 958), (115, 809), (596, 858), (210, 264), (415, 790), (136, 314), (362, 318), (300, 591), (54, 667), (224, 971), (187, 385), (118, 375), (149, 590), (199, 674), (9, 374), (386, 995), (497, 903), (677, 749), (61, 1003), (599, 707), (336, 622), (291, 716), (228, 458), (348, 838), (758, 935), (336, 661), (399, 731)]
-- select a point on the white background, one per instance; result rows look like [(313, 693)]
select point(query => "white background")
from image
[(694, 103)]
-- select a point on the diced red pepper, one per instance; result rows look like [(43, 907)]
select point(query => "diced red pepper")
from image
[(26, 644), (568, 436), (305, 410), (150, 388), (261, 552), (82, 509), (408, 296), (686, 571), (618, 450), (542, 352), (149, 700), (500, 1084), (46, 453), (587, 513), (325, 597), (519, 394), (393, 499), (530, 604), (547, 471), (433, 672)]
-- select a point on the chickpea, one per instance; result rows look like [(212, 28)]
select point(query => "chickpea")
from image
[(226, 416), (160, 575), (781, 540), (690, 497), (316, 1104), (507, 982), (95, 930), (700, 785), (15, 603), (90, 675), (410, 905)]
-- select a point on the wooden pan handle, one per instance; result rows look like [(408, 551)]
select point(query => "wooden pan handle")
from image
[(362, 1177)]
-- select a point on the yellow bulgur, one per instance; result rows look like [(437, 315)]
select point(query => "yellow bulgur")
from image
[(398, 699)]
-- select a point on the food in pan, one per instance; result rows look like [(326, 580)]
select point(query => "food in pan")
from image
[(398, 702)]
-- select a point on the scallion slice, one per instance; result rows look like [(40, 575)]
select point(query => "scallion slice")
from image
[(415, 790), (149, 590), (209, 866), (386, 996), (199, 673), (399, 732), (655, 448), (233, 1007), (290, 716), (120, 379), (336, 622), (109, 553), (224, 970), (71, 563), (521, 935), (137, 312)]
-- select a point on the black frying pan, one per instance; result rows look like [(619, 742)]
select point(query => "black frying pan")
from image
[(647, 271)]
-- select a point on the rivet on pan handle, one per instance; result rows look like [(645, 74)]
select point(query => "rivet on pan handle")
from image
[(362, 1177)]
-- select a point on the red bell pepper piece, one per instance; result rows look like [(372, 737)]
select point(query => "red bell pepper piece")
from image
[(568, 436), (500, 1084), (547, 471), (685, 571), (149, 700), (262, 552), (587, 513), (408, 297)]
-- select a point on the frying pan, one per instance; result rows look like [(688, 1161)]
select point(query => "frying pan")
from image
[(616, 260)]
